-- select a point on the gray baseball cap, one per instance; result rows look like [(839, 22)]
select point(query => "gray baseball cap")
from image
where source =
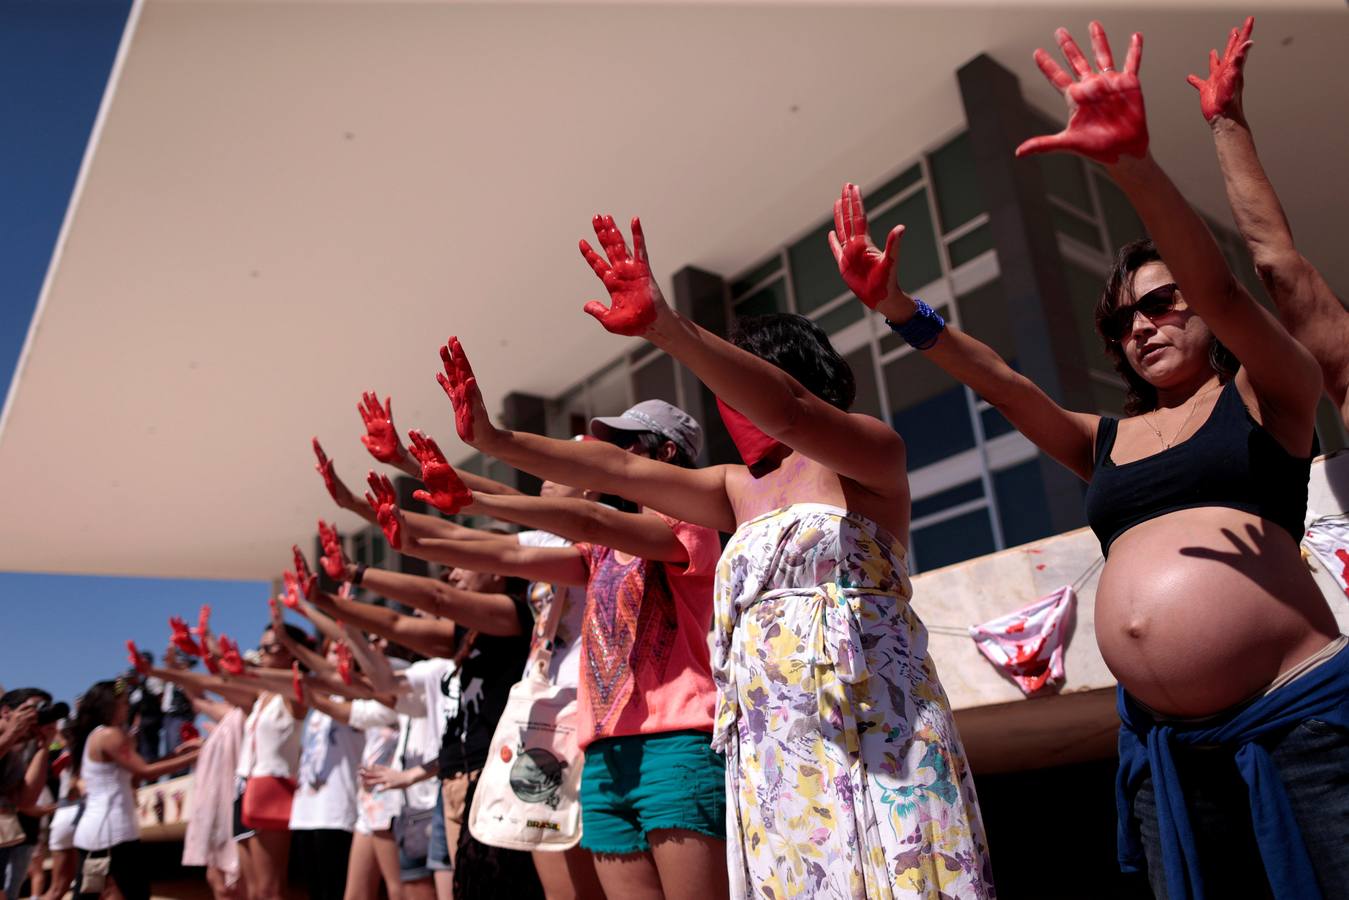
[(658, 417)]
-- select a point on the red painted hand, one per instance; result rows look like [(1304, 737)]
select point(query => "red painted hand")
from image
[(291, 597), (188, 732), (306, 578), (381, 438), (344, 663), (869, 273), (203, 626), (182, 637), (340, 493), (385, 502), (1220, 96), (633, 293), (333, 560), (297, 682), (1105, 108), (444, 490), (137, 661), (461, 386), (230, 660)]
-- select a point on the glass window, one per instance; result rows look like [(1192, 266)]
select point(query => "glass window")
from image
[(1022, 510), (868, 400), (962, 493), (957, 189), (1065, 179), (912, 175), (1066, 223), (919, 265), (1084, 289), (656, 380), (755, 275), (968, 246), (994, 423), (928, 409), (1121, 222), (771, 298), (814, 272), (955, 540), (842, 316), (983, 314)]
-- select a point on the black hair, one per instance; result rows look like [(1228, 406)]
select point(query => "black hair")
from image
[(651, 442), (19, 696), (1140, 395), (95, 707), (296, 634), (800, 348)]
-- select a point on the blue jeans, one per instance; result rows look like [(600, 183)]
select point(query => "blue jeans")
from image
[(1313, 760)]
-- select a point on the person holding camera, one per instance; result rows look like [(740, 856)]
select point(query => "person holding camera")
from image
[(27, 725)]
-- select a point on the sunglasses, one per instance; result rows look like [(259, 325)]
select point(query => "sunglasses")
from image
[(1157, 302), (273, 647)]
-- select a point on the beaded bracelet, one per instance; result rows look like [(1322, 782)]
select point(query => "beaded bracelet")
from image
[(922, 329)]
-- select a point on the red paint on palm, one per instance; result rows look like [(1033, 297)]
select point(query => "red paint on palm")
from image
[(1106, 119), (1220, 95), (460, 386), (333, 560), (868, 272), (188, 732), (203, 626), (325, 469), (138, 661), (384, 500), (444, 489), (182, 637), (230, 660), (297, 682), (344, 663), (752, 443), (380, 437), (627, 278)]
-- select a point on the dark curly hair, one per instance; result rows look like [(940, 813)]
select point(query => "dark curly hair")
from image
[(800, 348), (1140, 396), (95, 707)]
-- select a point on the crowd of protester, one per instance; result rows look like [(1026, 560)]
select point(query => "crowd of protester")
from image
[(763, 718)]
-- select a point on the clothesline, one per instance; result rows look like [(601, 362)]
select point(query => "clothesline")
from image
[(1077, 584)]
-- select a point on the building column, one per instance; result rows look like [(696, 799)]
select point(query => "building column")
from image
[(1033, 285), (702, 297)]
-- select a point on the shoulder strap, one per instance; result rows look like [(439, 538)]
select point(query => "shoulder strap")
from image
[(1105, 438)]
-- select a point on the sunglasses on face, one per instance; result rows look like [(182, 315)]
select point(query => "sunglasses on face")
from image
[(272, 647), (1155, 303)]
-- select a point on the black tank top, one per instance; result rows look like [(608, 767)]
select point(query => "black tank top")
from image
[(1230, 461)]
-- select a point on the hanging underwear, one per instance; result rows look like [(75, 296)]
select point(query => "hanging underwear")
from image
[(1027, 645), (752, 443), (1327, 539)]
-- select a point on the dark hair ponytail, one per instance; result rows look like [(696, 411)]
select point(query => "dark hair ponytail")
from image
[(96, 707)]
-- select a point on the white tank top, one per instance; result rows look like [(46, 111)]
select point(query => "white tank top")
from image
[(109, 815), (271, 745)]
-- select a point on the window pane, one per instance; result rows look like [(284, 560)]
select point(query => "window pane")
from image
[(841, 316), (983, 314), (994, 423), (656, 380), (1068, 224), (755, 275), (1022, 510), (1084, 289), (1065, 179), (895, 185), (1121, 222), (918, 262), (814, 272), (963, 493), (868, 400), (968, 246), (958, 198), (770, 299), (952, 541), (928, 409)]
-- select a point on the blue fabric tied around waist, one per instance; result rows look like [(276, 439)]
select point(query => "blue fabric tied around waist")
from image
[(1146, 745)]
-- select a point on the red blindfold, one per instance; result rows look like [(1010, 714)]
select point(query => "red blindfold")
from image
[(752, 443)]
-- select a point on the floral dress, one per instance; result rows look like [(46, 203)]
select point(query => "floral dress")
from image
[(845, 776)]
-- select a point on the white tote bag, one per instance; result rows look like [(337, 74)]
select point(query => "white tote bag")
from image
[(528, 796)]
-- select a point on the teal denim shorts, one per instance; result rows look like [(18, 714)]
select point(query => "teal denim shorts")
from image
[(634, 785)]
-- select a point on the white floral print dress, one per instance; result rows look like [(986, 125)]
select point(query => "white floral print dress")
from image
[(845, 776)]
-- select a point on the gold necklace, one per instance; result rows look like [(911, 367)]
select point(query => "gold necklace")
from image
[(1194, 404)]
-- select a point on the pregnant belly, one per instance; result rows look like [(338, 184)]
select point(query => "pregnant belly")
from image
[(1201, 609)]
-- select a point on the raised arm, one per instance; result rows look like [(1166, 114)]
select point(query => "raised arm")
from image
[(1107, 124), (337, 488), (1311, 311), (235, 692), (430, 637), (1065, 436), (692, 495), (489, 613), (643, 535), (381, 437), (857, 446), (117, 746)]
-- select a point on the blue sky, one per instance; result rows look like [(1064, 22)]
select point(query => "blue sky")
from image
[(63, 633)]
